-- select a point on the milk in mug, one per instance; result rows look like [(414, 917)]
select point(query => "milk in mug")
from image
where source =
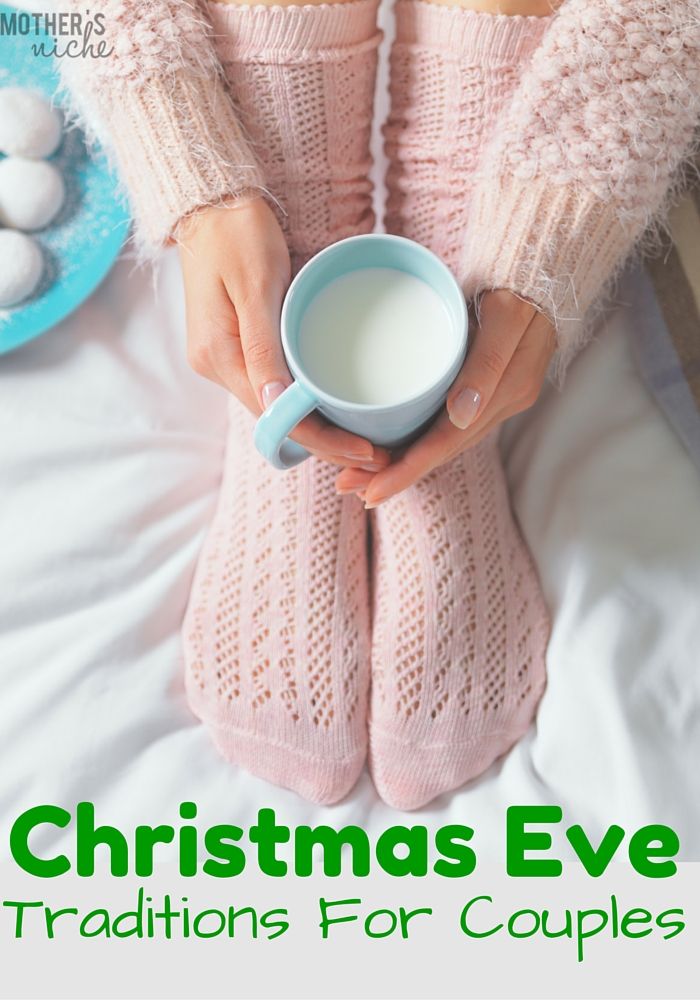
[(376, 335)]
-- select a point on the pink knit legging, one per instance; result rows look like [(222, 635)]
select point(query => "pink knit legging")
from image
[(302, 653)]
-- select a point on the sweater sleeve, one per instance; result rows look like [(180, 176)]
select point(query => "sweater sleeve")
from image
[(158, 103), (586, 155)]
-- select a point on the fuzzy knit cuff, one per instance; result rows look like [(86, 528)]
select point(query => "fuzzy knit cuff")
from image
[(159, 105), (556, 246), (179, 147)]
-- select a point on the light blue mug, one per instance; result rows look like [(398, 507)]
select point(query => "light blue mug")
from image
[(388, 425)]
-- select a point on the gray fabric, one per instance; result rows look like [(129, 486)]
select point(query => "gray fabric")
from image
[(655, 350)]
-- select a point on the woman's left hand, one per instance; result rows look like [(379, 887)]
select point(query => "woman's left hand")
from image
[(502, 375)]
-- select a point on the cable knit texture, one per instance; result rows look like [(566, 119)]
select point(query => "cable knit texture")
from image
[(277, 631), (459, 624), (452, 72), (586, 155), (159, 105), (303, 80)]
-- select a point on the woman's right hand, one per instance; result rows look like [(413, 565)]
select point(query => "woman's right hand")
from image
[(236, 270)]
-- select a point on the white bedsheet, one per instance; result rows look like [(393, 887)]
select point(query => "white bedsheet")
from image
[(110, 455)]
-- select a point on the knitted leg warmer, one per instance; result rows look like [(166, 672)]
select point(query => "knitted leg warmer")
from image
[(277, 632), (460, 626)]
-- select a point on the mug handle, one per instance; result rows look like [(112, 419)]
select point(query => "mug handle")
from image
[(277, 421)]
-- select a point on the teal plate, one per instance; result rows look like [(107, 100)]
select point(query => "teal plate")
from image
[(81, 245)]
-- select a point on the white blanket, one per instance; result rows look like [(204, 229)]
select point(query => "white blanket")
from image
[(110, 457)]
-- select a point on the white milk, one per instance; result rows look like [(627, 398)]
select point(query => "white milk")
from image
[(376, 336)]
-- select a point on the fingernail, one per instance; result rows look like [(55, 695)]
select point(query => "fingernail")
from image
[(343, 490), (375, 503), (371, 466), (362, 460), (361, 495), (464, 408), (270, 392)]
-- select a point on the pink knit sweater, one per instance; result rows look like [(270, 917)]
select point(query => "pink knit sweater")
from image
[(581, 166), (587, 155)]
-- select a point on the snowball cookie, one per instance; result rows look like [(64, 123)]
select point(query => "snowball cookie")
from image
[(31, 193), (21, 266), (29, 126)]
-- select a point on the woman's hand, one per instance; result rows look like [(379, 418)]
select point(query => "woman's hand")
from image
[(236, 270), (502, 375)]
